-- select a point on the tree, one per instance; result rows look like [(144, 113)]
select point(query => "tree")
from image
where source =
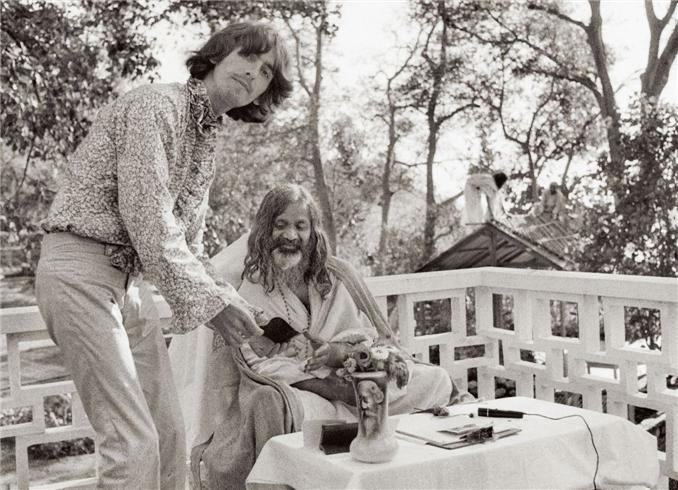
[(441, 94), (55, 72), (545, 119), (539, 32), (393, 113), (653, 80), (639, 233), (60, 62), (640, 153), (354, 181)]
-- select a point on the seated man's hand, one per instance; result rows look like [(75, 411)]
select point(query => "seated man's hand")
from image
[(330, 354), (265, 347), (320, 357)]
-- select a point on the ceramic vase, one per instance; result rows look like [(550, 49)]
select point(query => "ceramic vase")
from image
[(375, 442)]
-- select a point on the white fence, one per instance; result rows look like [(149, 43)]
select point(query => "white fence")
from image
[(566, 364)]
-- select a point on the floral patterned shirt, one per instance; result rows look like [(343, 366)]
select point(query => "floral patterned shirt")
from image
[(139, 183)]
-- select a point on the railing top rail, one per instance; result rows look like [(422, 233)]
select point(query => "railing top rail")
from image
[(424, 281), (645, 288), (28, 318), (649, 288)]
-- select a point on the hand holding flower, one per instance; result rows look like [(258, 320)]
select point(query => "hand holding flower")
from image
[(328, 354)]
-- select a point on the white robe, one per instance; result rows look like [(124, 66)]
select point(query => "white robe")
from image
[(330, 319), (191, 355), (475, 211)]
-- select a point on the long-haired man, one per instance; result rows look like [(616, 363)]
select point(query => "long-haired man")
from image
[(133, 202), (314, 311)]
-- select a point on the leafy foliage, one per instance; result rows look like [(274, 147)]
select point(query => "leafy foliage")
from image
[(60, 61), (250, 159), (638, 235)]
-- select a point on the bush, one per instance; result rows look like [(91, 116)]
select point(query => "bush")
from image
[(58, 413)]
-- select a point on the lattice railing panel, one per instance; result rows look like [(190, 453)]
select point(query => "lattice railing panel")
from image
[(568, 364)]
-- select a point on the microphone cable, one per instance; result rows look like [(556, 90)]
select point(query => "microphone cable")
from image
[(595, 474)]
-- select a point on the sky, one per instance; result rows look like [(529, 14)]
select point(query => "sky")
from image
[(367, 27)]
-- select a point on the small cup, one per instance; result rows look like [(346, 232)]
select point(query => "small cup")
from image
[(312, 430)]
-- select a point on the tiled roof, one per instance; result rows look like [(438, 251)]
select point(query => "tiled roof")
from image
[(558, 236), (512, 242)]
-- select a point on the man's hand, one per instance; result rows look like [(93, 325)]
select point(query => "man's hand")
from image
[(330, 354), (235, 323), (320, 357), (265, 347)]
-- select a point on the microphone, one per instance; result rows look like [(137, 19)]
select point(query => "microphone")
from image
[(493, 412)]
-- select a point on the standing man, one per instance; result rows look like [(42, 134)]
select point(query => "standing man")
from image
[(132, 202), (479, 185), (552, 204)]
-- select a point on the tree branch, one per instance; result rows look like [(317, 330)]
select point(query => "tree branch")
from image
[(23, 177), (297, 52), (556, 13), (669, 12), (459, 110)]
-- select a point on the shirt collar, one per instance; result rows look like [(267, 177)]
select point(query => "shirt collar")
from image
[(200, 105)]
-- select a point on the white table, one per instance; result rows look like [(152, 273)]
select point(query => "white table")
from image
[(545, 454)]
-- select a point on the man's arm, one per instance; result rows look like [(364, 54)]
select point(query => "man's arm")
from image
[(146, 129), (331, 388), (231, 322)]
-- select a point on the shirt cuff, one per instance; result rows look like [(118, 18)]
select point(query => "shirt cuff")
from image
[(203, 308)]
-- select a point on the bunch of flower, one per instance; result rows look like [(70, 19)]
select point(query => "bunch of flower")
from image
[(362, 358)]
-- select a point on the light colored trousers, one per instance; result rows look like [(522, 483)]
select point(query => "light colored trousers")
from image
[(106, 325)]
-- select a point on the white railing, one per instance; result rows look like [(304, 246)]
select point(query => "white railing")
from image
[(566, 362)]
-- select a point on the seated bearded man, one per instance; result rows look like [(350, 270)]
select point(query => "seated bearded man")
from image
[(286, 275), (283, 268)]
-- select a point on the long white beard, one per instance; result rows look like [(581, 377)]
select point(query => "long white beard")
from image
[(292, 276), (283, 261)]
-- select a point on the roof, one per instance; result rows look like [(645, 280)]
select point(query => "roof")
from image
[(522, 242)]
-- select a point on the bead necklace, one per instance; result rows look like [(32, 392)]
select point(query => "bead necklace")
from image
[(307, 343)]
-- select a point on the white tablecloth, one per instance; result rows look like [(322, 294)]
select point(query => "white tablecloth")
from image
[(545, 454)]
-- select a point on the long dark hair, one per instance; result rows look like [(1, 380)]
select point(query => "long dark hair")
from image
[(260, 244), (249, 38)]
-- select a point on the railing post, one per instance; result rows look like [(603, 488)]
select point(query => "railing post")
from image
[(406, 321), (589, 324), (21, 458), (670, 335), (522, 315)]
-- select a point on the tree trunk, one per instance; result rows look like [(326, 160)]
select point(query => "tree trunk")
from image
[(606, 99), (386, 195), (321, 188), (433, 128), (431, 211), (656, 74), (534, 186)]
